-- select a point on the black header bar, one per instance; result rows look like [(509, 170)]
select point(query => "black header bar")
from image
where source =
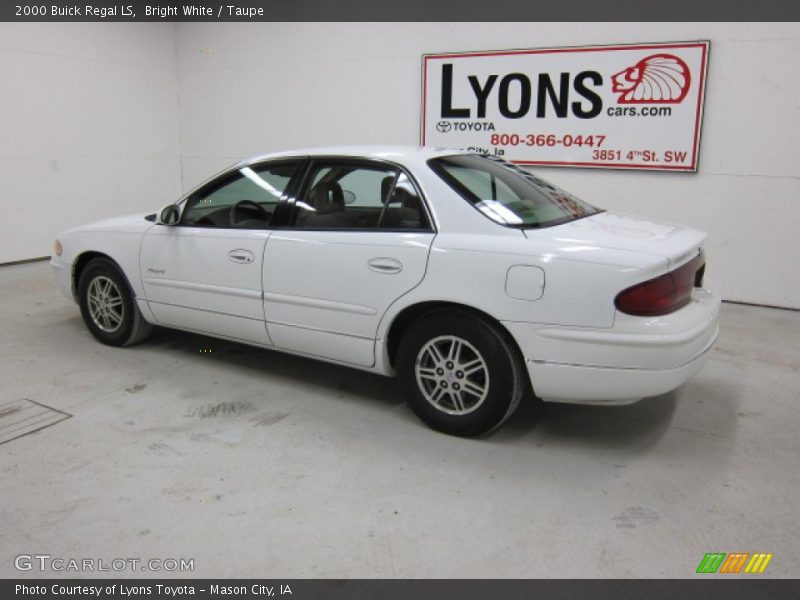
[(405, 10)]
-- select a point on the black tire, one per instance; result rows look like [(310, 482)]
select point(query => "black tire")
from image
[(501, 376), (127, 326)]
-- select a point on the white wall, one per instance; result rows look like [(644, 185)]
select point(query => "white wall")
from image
[(88, 127), (251, 88), (91, 124)]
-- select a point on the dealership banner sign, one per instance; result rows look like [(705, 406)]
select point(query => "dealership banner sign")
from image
[(636, 106)]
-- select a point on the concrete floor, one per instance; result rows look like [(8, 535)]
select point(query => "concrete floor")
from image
[(246, 460)]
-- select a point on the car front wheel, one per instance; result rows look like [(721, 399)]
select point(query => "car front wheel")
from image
[(459, 373), (108, 306)]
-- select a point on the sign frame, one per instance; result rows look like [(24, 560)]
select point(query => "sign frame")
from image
[(704, 45)]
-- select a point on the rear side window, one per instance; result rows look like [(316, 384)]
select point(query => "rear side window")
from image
[(507, 194)]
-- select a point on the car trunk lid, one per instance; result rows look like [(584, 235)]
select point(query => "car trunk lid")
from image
[(677, 243)]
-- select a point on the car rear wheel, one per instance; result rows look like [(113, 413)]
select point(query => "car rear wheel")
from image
[(108, 306), (459, 374)]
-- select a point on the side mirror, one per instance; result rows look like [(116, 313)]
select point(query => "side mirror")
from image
[(169, 215)]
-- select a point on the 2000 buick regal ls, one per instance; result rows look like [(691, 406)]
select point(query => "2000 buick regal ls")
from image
[(469, 278)]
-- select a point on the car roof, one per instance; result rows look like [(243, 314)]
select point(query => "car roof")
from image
[(368, 151), (407, 156)]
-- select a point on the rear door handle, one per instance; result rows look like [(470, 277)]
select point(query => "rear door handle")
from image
[(384, 265), (241, 256)]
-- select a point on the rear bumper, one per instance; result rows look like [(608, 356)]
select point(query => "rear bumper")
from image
[(636, 358), (582, 384)]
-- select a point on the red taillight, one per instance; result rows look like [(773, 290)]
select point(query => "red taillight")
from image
[(664, 294)]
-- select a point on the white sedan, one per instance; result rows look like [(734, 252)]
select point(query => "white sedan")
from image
[(470, 279)]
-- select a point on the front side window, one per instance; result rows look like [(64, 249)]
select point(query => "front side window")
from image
[(508, 194), (360, 195), (245, 199)]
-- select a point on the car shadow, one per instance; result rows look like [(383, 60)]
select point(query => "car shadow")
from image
[(640, 424), (636, 425), (707, 407), (315, 374)]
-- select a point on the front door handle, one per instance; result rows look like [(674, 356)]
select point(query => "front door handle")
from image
[(384, 265), (241, 256)]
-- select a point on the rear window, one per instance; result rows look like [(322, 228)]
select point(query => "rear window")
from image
[(507, 194)]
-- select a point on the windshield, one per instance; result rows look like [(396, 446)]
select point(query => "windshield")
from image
[(508, 194)]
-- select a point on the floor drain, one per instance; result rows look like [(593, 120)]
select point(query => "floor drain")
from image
[(22, 417)]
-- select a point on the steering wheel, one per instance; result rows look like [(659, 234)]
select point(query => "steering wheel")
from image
[(249, 206)]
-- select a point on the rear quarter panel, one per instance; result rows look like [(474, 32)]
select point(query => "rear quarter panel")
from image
[(580, 283)]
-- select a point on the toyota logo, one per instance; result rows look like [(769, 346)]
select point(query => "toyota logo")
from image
[(444, 126)]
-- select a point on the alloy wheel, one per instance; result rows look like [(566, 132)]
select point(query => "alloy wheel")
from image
[(105, 304), (452, 375)]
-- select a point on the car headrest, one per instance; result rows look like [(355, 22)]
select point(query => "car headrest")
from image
[(327, 198), (386, 185), (399, 195)]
